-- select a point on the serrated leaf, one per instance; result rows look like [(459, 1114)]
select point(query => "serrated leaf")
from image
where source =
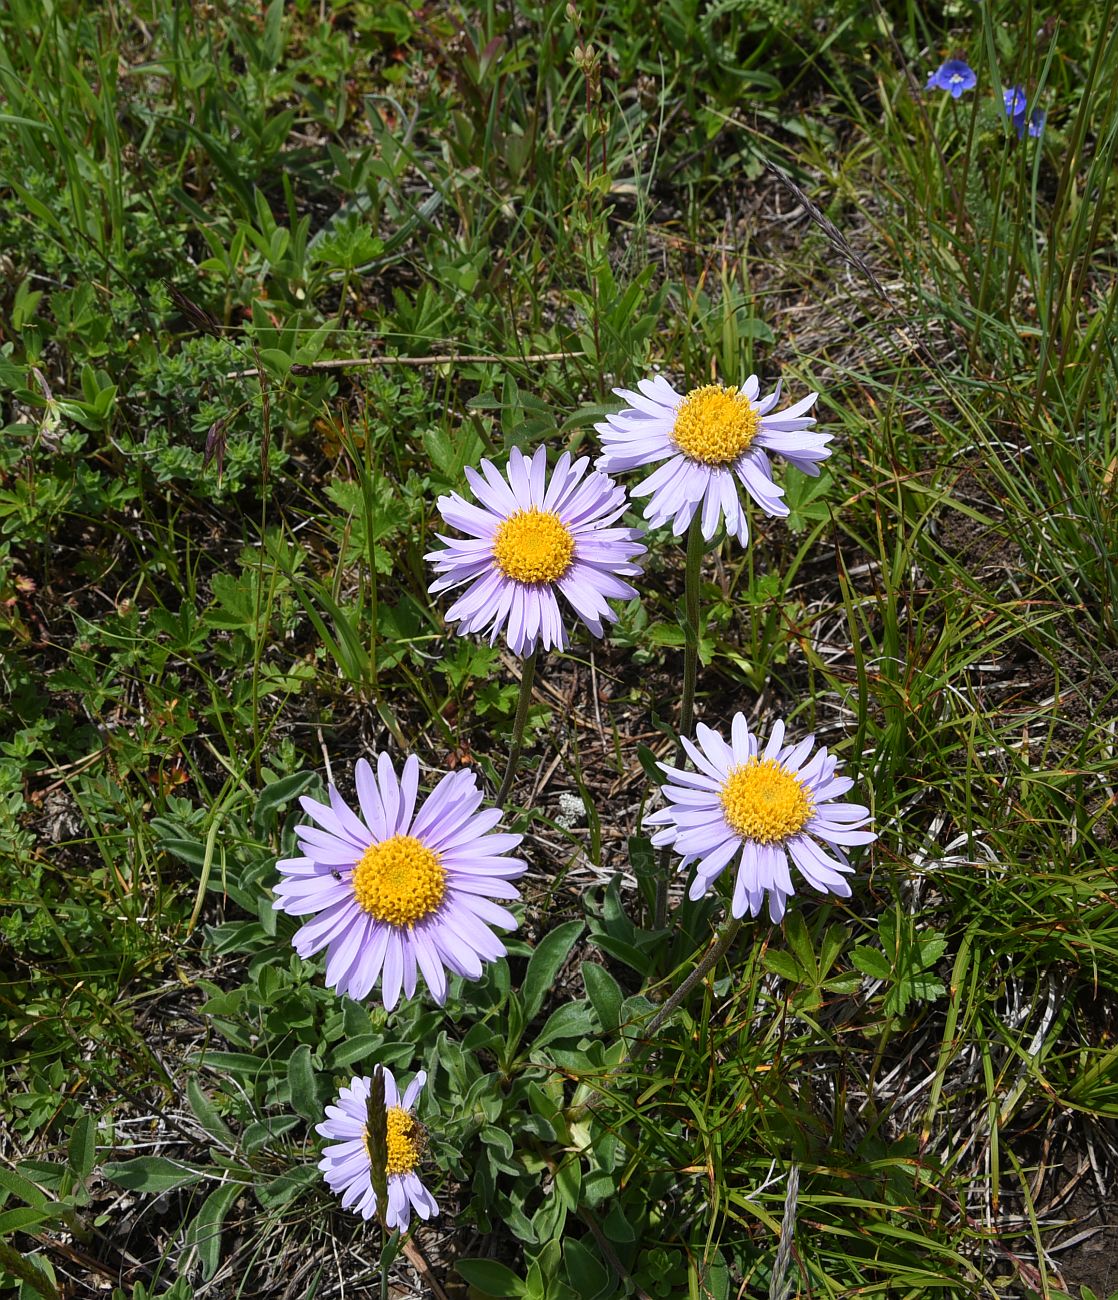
[(800, 942), (931, 950), (784, 965), (872, 962)]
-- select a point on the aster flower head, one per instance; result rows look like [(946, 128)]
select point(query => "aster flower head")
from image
[(531, 540), (766, 807), (954, 76), (348, 1165), (400, 891), (712, 440)]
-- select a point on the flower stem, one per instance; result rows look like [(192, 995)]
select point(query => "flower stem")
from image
[(691, 583), (713, 955), (527, 676)]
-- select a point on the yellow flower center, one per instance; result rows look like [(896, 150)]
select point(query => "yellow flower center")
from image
[(407, 1139), (715, 424), (763, 802), (399, 881), (533, 546)]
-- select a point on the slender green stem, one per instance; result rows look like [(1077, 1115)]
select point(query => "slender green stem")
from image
[(527, 676), (691, 582), (711, 958)]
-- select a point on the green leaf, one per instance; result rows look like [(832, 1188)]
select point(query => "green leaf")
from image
[(872, 962), (277, 362), (82, 1150), (571, 1020), (491, 1278), (784, 965), (205, 1232), (205, 1112), (550, 954), (241, 1063), (16, 1185), (22, 1218), (568, 1181), (450, 454), (626, 952), (276, 1193), (588, 1275), (605, 995), (800, 942), (151, 1174), (301, 1080), (279, 794)]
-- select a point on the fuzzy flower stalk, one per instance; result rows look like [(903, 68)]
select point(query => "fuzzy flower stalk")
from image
[(369, 1113), (406, 888)]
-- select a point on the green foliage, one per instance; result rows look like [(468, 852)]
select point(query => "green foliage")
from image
[(270, 280), (904, 961)]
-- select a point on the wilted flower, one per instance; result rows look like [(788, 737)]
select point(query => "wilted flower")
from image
[(764, 808), (347, 1164), (532, 541), (711, 439), (954, 76), (398, 891)]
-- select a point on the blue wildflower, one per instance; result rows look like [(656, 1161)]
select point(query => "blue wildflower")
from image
[(1015, 108), (954, 76), (1037, 119)]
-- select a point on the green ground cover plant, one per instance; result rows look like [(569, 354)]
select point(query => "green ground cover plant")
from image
[(272, 279)]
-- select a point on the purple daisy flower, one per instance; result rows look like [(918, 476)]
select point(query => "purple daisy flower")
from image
[(347, 1164), (764, 807), (954, 76), (710, 439), (398, 891), (531, 541)]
